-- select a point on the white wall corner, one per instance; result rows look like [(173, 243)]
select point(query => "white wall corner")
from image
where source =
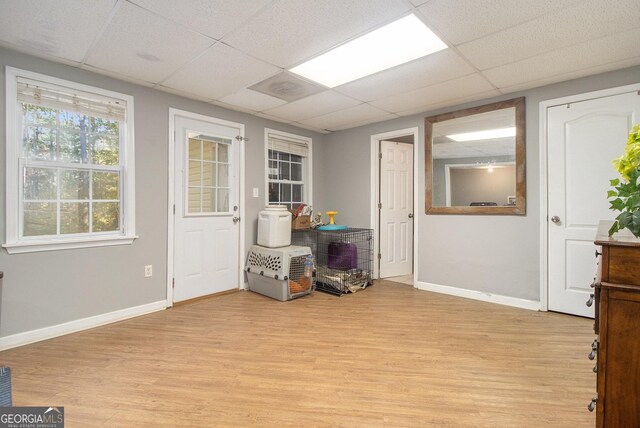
[(516, 302), (32, 336)]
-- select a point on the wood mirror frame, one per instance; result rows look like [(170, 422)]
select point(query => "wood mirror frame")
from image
[(520, 206)]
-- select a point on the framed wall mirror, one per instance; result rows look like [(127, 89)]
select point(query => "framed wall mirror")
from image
[(475, 160)]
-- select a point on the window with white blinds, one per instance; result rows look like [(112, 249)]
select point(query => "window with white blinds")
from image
[(288, 169), (70, 173)]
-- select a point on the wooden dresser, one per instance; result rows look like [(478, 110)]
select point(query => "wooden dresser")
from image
[(617, 326)]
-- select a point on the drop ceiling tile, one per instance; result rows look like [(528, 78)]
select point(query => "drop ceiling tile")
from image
[(214, 18), (582, 56), (418, 2), (116, 75), (460, 21), (140, 44), (427, 108), (587, 21), (60, 29), (429, 95), (609, 66), (294, 30), (231, 107), (426, 71), (310, 128), (252, 100), (336, 119), (220, 71), (273, 118), (377, 119), (313, 106)]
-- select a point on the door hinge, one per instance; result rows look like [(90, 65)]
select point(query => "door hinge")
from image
[(379, 256), (379, 205), (173, 283), (174, 209), (380, 155)]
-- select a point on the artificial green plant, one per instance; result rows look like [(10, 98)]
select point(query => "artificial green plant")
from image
[(626, 194)]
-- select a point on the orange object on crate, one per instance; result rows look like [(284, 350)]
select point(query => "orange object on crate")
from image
[(302, 284)]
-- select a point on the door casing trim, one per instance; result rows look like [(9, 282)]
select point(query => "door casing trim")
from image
[(173, 114), (544, 175), (375, 187)]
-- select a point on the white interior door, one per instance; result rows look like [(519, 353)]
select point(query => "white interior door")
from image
[(206, 220), (396, 212), (583, 138)]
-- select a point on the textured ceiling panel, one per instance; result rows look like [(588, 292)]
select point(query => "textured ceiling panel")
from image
[(145, 46), (566, 27), (463, 20), (570, 59), (450, 102), (252, 100), (221, 71), (214, 18), (294, 30), (61, 29), (439, 67), (351, 115), (433, 94), (313, 106)]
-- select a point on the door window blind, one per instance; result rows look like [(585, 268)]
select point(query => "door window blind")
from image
[(294, 147)]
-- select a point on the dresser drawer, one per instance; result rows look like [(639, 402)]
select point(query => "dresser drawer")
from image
[(623, 265)]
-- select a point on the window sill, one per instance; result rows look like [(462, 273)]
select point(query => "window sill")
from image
[(68, 244)]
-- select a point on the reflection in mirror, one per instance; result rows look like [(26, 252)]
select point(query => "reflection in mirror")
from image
[(475, 160)]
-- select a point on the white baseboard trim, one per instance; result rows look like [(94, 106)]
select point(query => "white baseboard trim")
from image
[(45, 333), (532, 305)]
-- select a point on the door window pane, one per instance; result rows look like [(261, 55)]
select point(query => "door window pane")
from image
[(223, 153), (194, 173), (209, 174), (194, 196), (195, 149), (209, 200), (223, 200), (209, 150), (223, 175)]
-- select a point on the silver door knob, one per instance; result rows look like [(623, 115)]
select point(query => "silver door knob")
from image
[(555, 219), (410, 215), (236, 219), (590, 301)]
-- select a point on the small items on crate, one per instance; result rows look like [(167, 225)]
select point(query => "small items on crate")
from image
[(301, 217)]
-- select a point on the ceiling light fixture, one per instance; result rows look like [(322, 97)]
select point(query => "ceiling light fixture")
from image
[(396, 43), (484, 135)]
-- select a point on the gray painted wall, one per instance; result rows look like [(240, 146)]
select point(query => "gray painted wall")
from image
[(470, 185), (49, 288), (492, 254)]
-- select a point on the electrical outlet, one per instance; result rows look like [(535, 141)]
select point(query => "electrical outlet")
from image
[(148, 271), (256, 192)]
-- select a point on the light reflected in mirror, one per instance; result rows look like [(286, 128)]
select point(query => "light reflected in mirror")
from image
[(475, 160)]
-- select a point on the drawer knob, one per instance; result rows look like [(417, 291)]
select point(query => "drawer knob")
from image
[(598, 254), (592, 405), (590, 301), (595, 369), (592, 355)]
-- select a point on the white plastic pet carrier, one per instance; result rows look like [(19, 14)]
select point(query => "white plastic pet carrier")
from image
[(279, 272)]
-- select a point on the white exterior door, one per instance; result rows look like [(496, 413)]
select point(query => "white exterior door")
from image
[(206, 220), (583, 138), (396, 213)]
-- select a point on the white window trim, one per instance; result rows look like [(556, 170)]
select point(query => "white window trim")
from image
[(307, 168), (13, 243)]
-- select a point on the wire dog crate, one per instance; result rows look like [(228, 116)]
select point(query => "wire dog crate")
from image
[(344, 258), (279, 272)]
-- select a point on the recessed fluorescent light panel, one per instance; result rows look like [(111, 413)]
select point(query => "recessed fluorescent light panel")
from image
[(401, 41), (484, 135)]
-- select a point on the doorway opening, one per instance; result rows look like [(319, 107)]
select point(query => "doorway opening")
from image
[(394, 201)]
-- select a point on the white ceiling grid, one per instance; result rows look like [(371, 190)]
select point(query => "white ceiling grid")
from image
[(214, 50)]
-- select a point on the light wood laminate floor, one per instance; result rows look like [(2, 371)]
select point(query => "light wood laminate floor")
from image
[(388, 356)]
